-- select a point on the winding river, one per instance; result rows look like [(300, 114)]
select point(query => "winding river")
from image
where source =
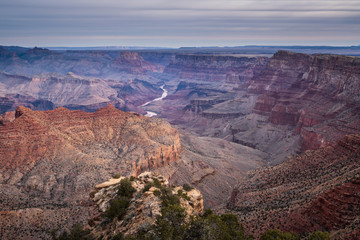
[(164, 94)]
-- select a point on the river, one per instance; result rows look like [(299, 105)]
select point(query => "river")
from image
[(164, 94)]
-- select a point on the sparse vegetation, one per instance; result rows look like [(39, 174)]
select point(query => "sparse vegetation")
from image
[(118, 206), (187, 187), (318, 235), (116, 176), (126, 189), (175, 224), (276, 234), (76, 233)]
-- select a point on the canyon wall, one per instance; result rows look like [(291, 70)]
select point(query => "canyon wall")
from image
[(317, 94), (318, 190), (51, 160), (215, 68), (47, 91), (118, 65)]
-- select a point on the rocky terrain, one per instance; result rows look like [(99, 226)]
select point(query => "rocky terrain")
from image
[(286, 108), (144, 207), (314, 93), (318, 190), (293, 117), (226, 69), (48, 91), (116, 65), (51, 160)]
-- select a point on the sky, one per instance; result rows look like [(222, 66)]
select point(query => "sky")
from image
[(168, 23)]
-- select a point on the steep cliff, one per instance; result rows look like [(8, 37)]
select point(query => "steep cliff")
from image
[(215, 68), (50, 160), (316, 190), (314, 93)]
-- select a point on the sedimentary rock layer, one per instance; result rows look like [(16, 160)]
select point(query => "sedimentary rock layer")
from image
[(318, 190), (50, 161), (318, 94)]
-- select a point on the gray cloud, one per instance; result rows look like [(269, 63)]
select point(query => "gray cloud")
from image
[(176, 23)]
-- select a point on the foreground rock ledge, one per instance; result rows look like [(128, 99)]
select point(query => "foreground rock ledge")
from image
[(144, 206)]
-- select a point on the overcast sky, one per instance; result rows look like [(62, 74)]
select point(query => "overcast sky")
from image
[(179, 23)]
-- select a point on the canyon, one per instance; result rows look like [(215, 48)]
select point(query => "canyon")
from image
[(242, 127), (51, 160)]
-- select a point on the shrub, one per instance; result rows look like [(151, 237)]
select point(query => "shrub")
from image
[(156, 183), (180, 193), (318, 235), (157, 193), (276, 234), (187, 187), (132, 178), (118, 207), (76, 233), (116, 176), (126, 189), (170, 225), (147, 187), (168, 198)]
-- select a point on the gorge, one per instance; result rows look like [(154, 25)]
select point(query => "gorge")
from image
[(274, 140)]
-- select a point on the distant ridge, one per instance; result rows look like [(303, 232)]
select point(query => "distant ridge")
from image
[(107, 48)]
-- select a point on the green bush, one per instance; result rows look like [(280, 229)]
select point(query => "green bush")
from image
[(126, 189), (76, 233), (147, 187), (118, 208), (180, 193), (156, 183), (170, 225), (168, 198), (157, 193), (116, 176), (187, 187), (318, 235), (276, 234)]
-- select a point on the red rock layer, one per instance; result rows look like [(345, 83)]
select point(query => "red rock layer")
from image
[(36, 134), (50, 161), (315, 93), (318, 190)]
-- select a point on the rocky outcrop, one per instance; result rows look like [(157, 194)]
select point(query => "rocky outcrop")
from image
[(317, 190), (144, 207), (215, 68), (50, 160)]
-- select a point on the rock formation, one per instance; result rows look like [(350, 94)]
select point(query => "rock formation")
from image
[(51, 160), (297, 102), (144, 206), (215, 68), (132, 62), (315, 93), (47, 91), (318, 190)]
